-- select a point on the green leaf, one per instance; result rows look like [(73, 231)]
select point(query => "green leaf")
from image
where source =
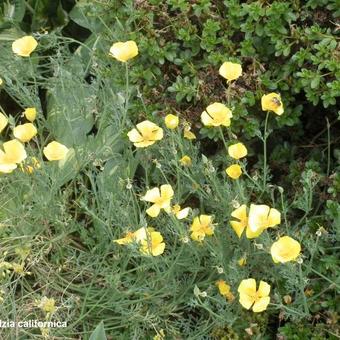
[(99, 332)]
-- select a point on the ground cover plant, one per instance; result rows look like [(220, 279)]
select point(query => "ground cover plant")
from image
[(169, 169)]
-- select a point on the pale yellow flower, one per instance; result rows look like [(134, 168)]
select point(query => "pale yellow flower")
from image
[(25, 132), (285, 249), (234, 171), (171, 121), (272, 102), (55, 151), (30, 113), (3, 121), (185, 161), (124, 51), (201, 226), (1, 81), (24, 46), (262, 217), (153, 245), (145, 134), (216, 114), (161, 199), (237, 150), (230, 71), (133, 237), (14, 152), (241, 215), (250, 297), (179, 212)]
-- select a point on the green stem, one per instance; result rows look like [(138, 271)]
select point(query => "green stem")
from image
[(126, 94), (265, 152), (303, 292), (223, 139)]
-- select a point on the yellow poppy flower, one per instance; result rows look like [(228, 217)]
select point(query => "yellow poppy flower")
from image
[(3, 121), (201, 226), (1, 81), (30, 113), (237, 150), (5, 166), (14, 152), (224, 290), (124, 51), (272, 102), (250, 297), (262, 217), (216, 114), (185, 161), (230, 71), (171, 121), (25, 132), (234, 171), (161, 199), (24, 46), (240, 214), (55, 151), (180, 213), (285, 249), (153, 245), (145, 134), (131, 237)]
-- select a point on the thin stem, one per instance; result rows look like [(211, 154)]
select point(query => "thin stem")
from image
[(302, 292), (223, 139), (126, 94), (265, 152)]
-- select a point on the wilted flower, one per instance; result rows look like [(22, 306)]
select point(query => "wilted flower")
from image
[(242, 261), (250, 297), (216, 114), (161, 199), (234, 171), (24, 46), (272, 102), (237, 150), (30, 113), (201, 226), (123, 51), (47, 305), (145, 134), (188, 134), (3, 121), (171, 121), (224, 290), (179, 212), (230, 71), (185, 161), (55, 151), (285, 249), (25, 132)]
